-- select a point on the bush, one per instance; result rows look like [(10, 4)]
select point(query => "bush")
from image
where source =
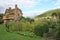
[(1, 20), (58, 35), (41, 28), (20, 26), (7, 27)]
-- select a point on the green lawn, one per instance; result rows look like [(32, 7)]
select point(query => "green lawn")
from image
[(16, 36)]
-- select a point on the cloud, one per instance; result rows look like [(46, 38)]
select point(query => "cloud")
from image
[(57, 4), (32, 13), (21, 3), (1, 7), (24, 4)]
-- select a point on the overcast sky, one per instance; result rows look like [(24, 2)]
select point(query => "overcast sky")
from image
[(30, 8)]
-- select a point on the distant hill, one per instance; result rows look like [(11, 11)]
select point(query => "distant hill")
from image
[(49, 12)]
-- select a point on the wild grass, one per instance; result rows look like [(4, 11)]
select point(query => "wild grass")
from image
[(4, 35)]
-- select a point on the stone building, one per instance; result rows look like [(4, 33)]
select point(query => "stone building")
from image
[(12, 14)]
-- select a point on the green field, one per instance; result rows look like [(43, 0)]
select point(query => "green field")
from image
[(4, 35)]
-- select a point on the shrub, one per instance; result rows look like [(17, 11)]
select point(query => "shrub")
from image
[(41, 28), (58, 35), (20, 26)]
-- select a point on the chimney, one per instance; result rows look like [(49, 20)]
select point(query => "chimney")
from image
[(16, 6), (9, 8)]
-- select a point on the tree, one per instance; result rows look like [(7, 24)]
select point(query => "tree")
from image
[(1, 18)]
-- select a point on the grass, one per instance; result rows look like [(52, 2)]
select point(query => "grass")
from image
[(4, 35)]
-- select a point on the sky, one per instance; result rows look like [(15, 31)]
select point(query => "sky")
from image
[(30, 8)]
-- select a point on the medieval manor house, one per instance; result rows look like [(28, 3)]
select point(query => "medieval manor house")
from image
[(12, 14)]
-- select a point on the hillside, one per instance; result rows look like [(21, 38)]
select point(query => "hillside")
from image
[(49, 12)]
